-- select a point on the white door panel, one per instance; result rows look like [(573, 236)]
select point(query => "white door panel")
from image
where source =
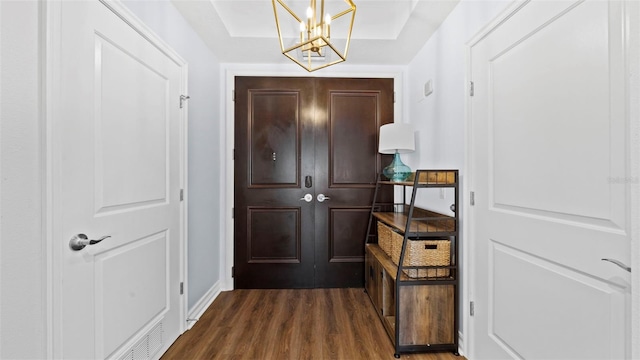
[(125, 115), (548, 133), (534, 299), (117, 154), (139, 298)]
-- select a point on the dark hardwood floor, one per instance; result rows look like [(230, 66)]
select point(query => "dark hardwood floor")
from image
[(290, 324)]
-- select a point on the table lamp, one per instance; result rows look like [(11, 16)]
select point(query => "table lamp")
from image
[(396, 139)]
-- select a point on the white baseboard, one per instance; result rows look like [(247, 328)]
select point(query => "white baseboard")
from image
[(461, 349), (203, 304)]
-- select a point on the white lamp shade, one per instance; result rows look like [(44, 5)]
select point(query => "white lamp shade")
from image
[(396, 137)]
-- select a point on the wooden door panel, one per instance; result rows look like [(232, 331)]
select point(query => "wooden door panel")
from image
[(273, 227), (274, 138), (347, 225), (350, 112), (274, 235), (353, 121)]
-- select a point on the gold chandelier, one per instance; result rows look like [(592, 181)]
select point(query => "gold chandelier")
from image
[(313, 47)]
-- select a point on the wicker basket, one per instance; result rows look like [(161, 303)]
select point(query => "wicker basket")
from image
[(422, 253), (384, 238)]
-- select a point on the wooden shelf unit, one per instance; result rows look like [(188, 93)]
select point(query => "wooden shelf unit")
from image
[(419, 314)]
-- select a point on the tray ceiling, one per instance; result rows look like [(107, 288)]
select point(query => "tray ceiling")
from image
[(384, 32)]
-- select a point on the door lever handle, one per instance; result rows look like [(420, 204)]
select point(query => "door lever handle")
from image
[(322, 198), (79, 241), (620, 264), (307, 198)]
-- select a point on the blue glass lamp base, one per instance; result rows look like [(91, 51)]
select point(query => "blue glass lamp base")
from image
[(397, 171)]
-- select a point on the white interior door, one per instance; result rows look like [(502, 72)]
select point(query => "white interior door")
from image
[(116, 172), (549, 167)]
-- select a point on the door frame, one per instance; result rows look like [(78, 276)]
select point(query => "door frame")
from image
[(50, 15), (632, 11), (227, 134)]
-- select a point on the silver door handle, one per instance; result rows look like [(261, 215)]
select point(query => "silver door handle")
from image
[(79, 241), (620, 264), (322, 198), (307, 198)]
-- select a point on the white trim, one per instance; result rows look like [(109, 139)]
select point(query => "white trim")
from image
[(203, 304), (51, 81), (54, 276), (632, 9), (184, 204), (1, 170), (461, 344), (49, 18), (466, 245), (229, 72)]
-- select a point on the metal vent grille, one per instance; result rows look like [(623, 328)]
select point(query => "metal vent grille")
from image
[(155, 340), (147, 347)]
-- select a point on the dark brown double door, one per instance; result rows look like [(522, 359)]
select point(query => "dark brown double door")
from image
[(297, 138)]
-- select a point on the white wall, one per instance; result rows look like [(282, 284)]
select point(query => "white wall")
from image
[(22, 245), (204, 128), (440, 117)]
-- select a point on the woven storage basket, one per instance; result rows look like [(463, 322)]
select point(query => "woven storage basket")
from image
[(384, 238), (422, 253)]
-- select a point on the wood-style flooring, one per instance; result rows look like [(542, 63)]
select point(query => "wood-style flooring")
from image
[(290, 324)]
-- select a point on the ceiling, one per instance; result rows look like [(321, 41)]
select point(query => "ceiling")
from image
[(386, 32)]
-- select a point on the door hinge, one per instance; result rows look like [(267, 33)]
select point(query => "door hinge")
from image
[(471, 88), (181, 288), (183, 98), (234, 154), (181, 194), (233, 213), (233, 95), (472, 309), (472, 198), (394, 97), (233, 271)]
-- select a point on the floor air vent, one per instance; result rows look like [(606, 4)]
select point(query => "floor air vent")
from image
[(147, 347)]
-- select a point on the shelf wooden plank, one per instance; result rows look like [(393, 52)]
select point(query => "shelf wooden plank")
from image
[(438, 224), (384, 260), (427, 178)]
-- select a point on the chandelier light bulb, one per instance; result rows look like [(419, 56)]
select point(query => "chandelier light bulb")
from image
[(327, 25), (309, 12)]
